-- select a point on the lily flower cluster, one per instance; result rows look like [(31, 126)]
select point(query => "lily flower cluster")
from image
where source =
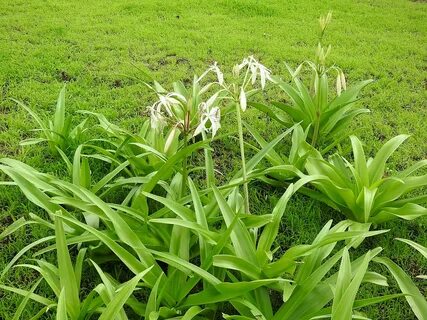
[(191, 113), (187, 110), (254, 69)]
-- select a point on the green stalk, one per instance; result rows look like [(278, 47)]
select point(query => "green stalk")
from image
[(210, 175), (242, 154), (317, 123)]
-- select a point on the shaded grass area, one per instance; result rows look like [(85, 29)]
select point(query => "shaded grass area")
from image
[(91, 47)]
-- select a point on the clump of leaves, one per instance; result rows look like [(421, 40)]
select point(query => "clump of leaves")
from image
[(325, 117), (106, 299), (58, 131), (198, 254), (363, 191)]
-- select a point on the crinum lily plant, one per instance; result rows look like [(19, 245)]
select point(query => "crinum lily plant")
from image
[(198, 110)]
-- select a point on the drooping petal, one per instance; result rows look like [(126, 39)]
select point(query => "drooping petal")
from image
[(343, 82), (242, 98), (339, 84), (253, 69), (263, 78), (201, 127), (215, 119)]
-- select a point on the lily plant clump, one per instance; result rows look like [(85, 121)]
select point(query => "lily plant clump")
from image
[(189, 249)]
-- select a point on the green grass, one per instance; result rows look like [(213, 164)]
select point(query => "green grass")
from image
[(90, 46)]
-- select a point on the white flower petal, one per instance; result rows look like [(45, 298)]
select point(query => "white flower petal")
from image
[(200, 128), (263, 78), (338, 84), (215, 119), (243, 102)]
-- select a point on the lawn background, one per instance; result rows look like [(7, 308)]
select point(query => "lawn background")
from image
[(92, 44)]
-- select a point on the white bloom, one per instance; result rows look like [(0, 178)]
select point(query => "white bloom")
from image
[(255, 68), (218, 72), (343, 82), (242, 98), (157, 118), (215, 69), (163, 109), (169, 100), (208, 115)]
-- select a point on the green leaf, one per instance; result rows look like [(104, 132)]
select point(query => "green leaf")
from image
[(377, 165), (25, 293), (421, 249), (59, 118), (24, 301), (414, 297), (191, 313), (16, 225), (238, 264), (120, 298), (61, 312), (242, 240), (66, 271)]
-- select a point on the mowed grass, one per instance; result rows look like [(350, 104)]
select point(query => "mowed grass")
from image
[(92, 45)]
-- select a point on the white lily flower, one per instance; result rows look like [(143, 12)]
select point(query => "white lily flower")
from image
[(169, 100), (343, 82), (157, 119), (218, 72), (211, 115), (255, 69), (162, 109), (215, 69)]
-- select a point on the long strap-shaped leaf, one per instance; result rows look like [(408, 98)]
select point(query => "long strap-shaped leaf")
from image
[(66, 271), (377, 165), (414, 297), (120, 298), (242, 241)]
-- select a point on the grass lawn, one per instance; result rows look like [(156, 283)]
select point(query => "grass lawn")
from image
[(92, 45)]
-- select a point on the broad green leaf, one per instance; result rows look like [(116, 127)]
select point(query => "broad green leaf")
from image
[(25, 293), (238, 264), (377, 165)]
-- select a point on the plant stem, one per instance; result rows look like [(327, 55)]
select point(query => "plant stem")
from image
[(318, 110), (242, 154), (209, 166)]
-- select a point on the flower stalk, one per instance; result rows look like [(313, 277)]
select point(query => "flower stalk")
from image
[(243, 159)]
